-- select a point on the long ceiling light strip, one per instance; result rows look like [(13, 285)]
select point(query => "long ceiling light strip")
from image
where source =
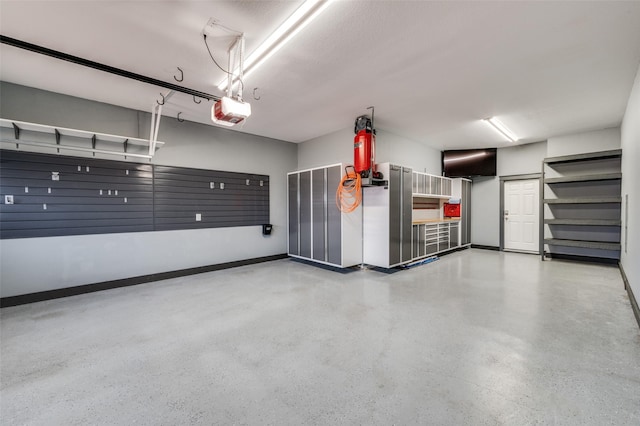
[(501, 128), (306, 13)]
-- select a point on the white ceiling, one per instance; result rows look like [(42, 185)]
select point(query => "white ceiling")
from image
[(432, 69)]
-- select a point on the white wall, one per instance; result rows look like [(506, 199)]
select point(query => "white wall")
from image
[(337, 147), (38, 264), (598, 140), (630, 131)]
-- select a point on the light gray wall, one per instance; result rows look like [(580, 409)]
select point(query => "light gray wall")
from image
[(337, 147), (332, 148), (485, 192), (485, 211), (521, 159), (39, 264), (597, 140), (630, 131)]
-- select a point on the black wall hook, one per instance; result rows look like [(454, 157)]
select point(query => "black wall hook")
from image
[(254, 94), (199, 101), (181, 120), (162, 100), (181, 75)]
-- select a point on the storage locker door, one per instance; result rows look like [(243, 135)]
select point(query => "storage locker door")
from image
[(406, 213), (334, 217), (319, 202), (395, 214), (305, 214), (421, 240), (293, 214), (466, 213), (453, 235), (415, 251)]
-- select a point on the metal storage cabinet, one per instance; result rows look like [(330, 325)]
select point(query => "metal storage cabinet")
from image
[(461, 188), (419, 232), (318, 230), (387, 214), (465, 226), (454, 235)]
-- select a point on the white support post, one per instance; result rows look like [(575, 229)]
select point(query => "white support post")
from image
[(156, 113)]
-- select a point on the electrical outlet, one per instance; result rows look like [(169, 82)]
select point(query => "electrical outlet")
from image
[(198, 217), (8, 199)]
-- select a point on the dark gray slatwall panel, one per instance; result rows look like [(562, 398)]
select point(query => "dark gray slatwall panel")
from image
[(88, 198), (181, 193), (84, 200)]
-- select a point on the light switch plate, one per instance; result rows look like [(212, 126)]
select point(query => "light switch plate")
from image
[(198, 217)]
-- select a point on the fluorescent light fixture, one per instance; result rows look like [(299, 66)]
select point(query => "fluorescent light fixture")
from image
[(501, 128), (306, 13), (465, 157)]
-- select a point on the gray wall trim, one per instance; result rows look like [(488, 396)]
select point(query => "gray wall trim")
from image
[(504, 179), (482, 247), (108, 285), (521, 177), (632, 298)]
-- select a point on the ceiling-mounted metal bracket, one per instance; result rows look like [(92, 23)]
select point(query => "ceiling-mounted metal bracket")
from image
[(57, 133), (16, 131), (181, 76), (156, 113), (125, 145), (93, 144)]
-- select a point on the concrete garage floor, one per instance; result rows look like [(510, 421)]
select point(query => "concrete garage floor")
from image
[(477, 337)]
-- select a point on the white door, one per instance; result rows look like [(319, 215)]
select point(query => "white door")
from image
[(522, 215)]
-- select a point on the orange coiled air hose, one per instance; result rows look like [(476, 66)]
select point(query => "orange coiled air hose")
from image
[(349, 192)]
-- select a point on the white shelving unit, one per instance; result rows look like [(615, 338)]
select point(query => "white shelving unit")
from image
[(54, 139)]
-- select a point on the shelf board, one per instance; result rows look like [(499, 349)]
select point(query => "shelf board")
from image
[(582, 200), (421, 195), (582, 244), (583, 222), (584, 178), (616, 153)]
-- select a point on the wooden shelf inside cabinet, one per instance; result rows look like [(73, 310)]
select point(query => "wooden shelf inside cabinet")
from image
[(583, 200), (615, 153), (583, 222), (584, 178), (582, 244), (420, 195)]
